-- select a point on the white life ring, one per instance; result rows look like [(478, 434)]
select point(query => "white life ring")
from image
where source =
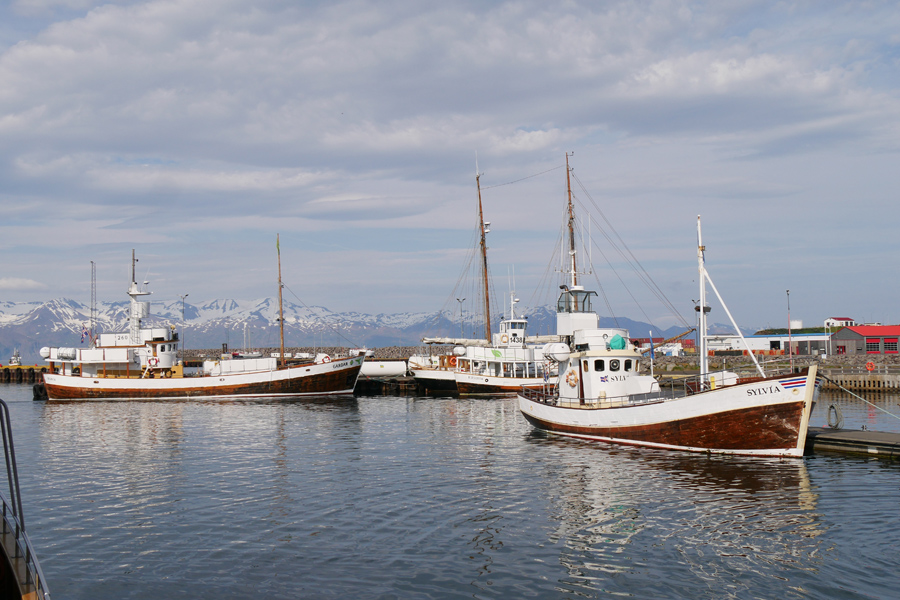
[(504, 338), (153, 361), (327, 359), (572, 378)]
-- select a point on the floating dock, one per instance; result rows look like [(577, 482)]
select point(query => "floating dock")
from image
[(880, 444)]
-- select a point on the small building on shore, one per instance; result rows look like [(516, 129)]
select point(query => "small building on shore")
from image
[(838, 322)]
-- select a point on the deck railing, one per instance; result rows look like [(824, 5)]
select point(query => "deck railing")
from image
[(547, 395), (675, 388), (21, 553)]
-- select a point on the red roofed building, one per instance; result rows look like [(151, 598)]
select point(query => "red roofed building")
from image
[(866, 339)]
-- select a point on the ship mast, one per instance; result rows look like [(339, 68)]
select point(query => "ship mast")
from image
[(280, 304), (573, 281), (484, 264), (702, 309)]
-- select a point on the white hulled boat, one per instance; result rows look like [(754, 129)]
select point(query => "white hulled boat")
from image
[(142, 363), (601, 396), (506, 366)]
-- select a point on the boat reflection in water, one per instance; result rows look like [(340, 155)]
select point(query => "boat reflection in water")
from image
[(727, 514)]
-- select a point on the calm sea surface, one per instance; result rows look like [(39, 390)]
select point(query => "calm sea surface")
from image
[(435, 498)]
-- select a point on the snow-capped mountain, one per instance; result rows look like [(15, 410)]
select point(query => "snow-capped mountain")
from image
[(28, 326), (238, 323)]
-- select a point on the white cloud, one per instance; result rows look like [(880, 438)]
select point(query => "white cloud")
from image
[(20, 285), (236, 118)]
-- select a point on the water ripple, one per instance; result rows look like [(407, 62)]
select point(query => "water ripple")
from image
[(430, 498)]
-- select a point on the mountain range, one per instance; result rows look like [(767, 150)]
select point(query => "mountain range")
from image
[(28, 326)]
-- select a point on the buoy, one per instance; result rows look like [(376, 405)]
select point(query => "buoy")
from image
[(870, 366)]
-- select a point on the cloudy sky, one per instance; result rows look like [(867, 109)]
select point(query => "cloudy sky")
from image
[(194, 131)]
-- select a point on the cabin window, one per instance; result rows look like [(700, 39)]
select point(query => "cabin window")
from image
[(627, 364), (584, 366), (598, 364), (614, 365)]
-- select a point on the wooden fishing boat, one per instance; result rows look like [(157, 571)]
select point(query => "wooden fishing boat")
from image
[(601, 395), (142, 363)]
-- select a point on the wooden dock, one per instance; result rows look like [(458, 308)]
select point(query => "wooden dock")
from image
[(880, 444)]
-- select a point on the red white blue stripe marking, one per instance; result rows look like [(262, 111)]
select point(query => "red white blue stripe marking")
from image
[(794, 382)]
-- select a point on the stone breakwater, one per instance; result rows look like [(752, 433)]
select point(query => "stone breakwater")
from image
[(385, 353)]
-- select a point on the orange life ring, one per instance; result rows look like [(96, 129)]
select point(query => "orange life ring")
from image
[(870, 366), (572, 378), (452, 361), (504, 338)]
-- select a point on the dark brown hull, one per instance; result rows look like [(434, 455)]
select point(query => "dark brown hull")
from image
[(751, 429), (294, 381)]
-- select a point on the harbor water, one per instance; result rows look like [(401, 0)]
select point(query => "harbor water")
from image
[(389, 497)]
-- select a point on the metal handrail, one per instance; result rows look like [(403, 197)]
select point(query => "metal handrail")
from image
[(13, 517), (682, 387), (549, 396)]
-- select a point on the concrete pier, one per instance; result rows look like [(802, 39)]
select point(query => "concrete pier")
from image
[(878, 444), (879, 378)]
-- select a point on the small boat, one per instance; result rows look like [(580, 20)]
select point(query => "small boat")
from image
[(21, 576), (602, 396), (142, 363), (15, 360)]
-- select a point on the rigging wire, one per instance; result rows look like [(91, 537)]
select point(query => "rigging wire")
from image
[(324, 320), (629, 258), (523, 179)]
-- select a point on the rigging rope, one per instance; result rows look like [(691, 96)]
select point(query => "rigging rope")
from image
[(350, 342), (630, 258), (859, 397), (523, 179)]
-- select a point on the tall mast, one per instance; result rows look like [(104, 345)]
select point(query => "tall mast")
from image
[(574, 274), (93, 300), (280, 304), (702, 309), (484, 263)]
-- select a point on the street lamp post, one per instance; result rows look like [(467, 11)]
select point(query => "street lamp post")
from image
[(182, 327), (461, 300)]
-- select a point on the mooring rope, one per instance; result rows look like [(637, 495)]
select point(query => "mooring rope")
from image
[(859, 397)]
